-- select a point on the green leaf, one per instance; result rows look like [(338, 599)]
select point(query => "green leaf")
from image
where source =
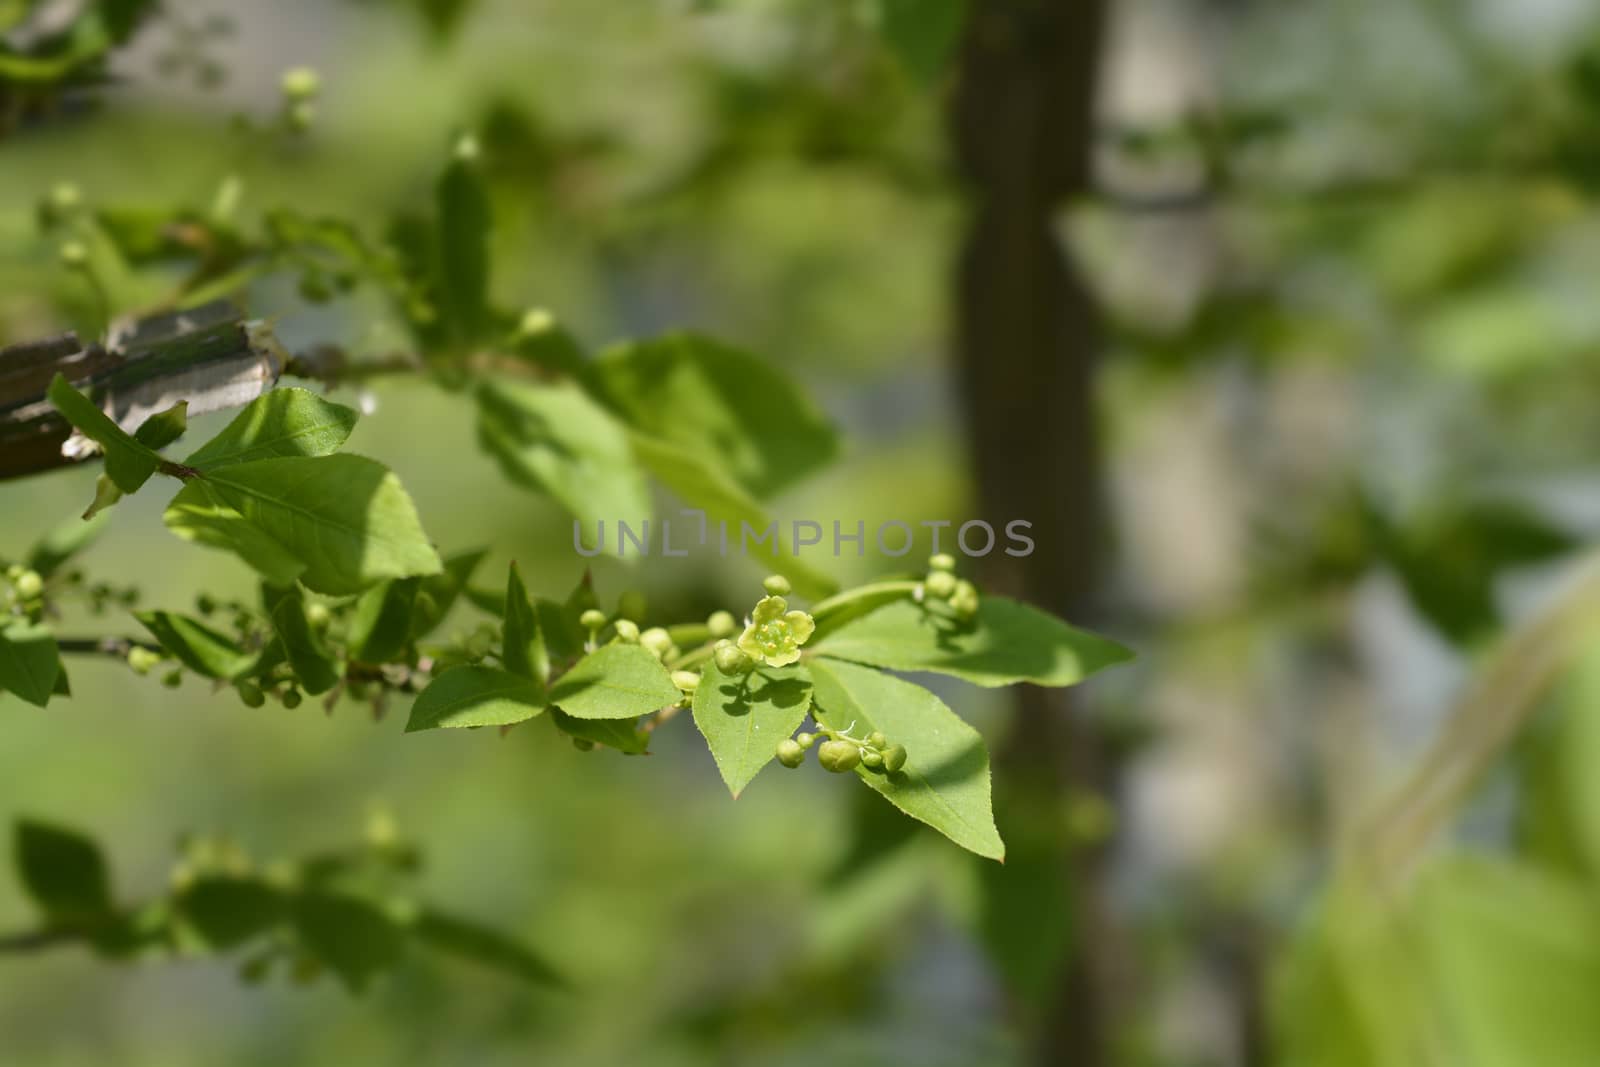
[(698, 481), (381, 625), (556, 440), (475, 696), (720, 404), (164, 427), (440, 591), (352, 937), (63, 871), (29, 661), (129, 464), (345, 518), (1008, 642), (744, 716), (462, 272), (314, 666), (616, 681), (199, 514), (945, 782), (623, 735), (277, 424), (483, 946), (522, 646), (224, 911), (63, 542), (197, 646), (922, 34)]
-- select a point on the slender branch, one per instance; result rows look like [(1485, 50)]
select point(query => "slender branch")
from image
[(115, 647), (37, 940)]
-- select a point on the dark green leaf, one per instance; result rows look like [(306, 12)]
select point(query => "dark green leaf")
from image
[(64, 872), (129, 464), (164, 427), (623, 735), (1008, 642), (29, 661), (522, 647), (743, 717), (475, 696), (197, 646), (278, 424), (381, 625), (63, 542), (439, 592), (616, 681), (352, 937), (945, 782), (224, 911), (481, 945), (462, 279), (314, 666)]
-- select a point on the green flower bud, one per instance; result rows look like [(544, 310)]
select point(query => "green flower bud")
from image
[(688, 681), (790, 754), (14, 572), (894, 757), (632, 605), (776, 584), (964, 601), (205, 605), (838, 756), (251, 694), (318, 615), (143, 660), (722, 624), (876, 739), (302, 115), (775, 633), (291, 698), (28, 585), (657, 640), (301, 83), (940, 584), (731, 659), (583, 744), (592, 619), (871, 760), (74, 255), (627, 631), (805, 740), (536, 321), (172, 679), (943, 561)]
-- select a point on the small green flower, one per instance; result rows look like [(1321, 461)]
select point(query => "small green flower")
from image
[(775, 633)]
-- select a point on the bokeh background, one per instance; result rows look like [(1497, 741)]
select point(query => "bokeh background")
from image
[(1323, 452)]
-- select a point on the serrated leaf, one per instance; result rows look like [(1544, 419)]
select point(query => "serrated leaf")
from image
[(744, 716), (129, 464), (314, 665), (197, 646), (945, 781), (277, 424), (698, 481), (29, 661), (200, 514), (63, 542), (623, 735), (522, 645), (352, 937), (481, 945), (1008, 642), (616, 681), (475, 696), (381, 625), (554, 439), (63, 872), (346, 519), (719, 403)]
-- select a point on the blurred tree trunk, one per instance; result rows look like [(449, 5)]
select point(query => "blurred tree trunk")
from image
[(1022, 123)]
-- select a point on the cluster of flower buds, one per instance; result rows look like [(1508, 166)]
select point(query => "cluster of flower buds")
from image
[(840, 752), (942, 584)]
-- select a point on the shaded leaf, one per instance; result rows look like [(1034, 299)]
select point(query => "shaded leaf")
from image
[(352, 937), (475, 696), (484, 946), (129, 464), (29, 661), (314, 665), (616, 681), (381, 625), (63, 872), (280, 423), (522, 647), (197, 646), (743, 717), (623, 735)]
